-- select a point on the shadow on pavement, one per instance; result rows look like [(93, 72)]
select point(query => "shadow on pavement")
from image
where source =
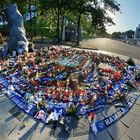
[(9, 118), (61, 132), (42, 128), (29, 132)]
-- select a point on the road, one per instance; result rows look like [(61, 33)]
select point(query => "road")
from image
[(112, 46)]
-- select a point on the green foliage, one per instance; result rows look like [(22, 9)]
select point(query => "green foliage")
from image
[(88, 15), (22, 6), (117, 35), (129, 33), (130, 62), (85, 36)]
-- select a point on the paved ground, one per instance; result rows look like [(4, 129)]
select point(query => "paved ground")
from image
[(15, 125), (112, 46)]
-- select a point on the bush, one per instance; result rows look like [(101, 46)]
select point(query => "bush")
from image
[(130, 62)]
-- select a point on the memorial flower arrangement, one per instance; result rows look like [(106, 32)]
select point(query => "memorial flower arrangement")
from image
[(58, 82)]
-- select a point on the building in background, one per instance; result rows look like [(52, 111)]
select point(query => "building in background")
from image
[(137, 33)]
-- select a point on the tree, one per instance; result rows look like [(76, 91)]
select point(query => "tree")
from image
[(129, 33), (100, 16), (97, 10), (90, 15), (22, 6), (116, 35), (79, 7), (58, 8)]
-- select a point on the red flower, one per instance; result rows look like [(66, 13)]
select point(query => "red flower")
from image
[(65, 99), (57, 83), (65, 93), (38, 88), (120, 66), (92, 115), (108, 87), (135, 83)]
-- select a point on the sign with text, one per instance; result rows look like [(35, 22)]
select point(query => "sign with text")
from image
[(103, 124)]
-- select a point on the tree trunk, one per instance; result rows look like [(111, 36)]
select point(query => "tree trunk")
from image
[(58, 24), (78, 28), (42, 29), (62, 24)]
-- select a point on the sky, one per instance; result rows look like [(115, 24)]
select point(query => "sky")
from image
[(128, 18)]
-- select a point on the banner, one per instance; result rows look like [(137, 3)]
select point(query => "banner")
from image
[(3, 81), (19, 103), (103, 124)]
